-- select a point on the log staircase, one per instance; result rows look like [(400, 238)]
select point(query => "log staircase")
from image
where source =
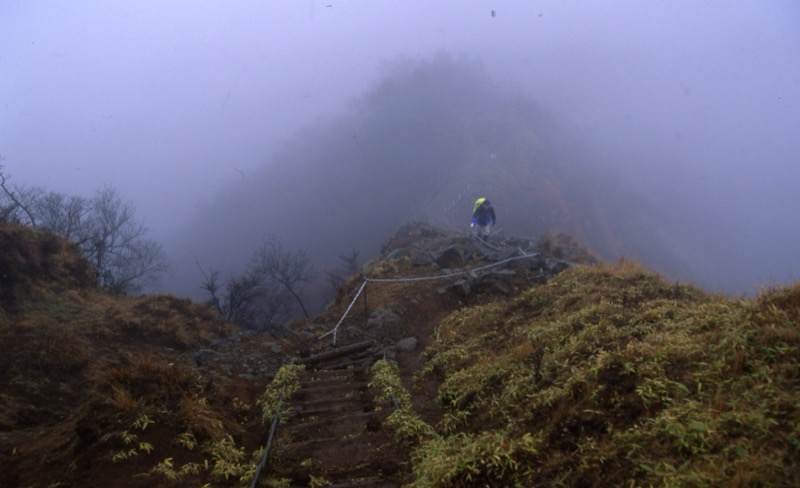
[(335, 435)]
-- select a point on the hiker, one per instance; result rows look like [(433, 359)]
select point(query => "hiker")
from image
[(483, 217)]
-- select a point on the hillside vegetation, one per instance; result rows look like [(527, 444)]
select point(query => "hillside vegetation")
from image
[(101, 390), (610, 376), (544, 372)]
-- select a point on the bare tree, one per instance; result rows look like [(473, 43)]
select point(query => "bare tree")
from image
[(110, 229), (114, 243), (237, 304), (211, 285), (348, 266), (273, 307), (134, 267), (18, 203), (248, 300), (63, 214), (104, 227), (289, 270)]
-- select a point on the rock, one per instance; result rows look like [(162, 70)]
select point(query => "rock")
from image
[(461, 287), (407, 344), (532, 263), (382, 317), (272, 346), (306, 334), (499, 286), (278, 330), (204, 356), (399, 253), (555, 266), (423, 259), (502, 273), (246, 333), (450, 257)]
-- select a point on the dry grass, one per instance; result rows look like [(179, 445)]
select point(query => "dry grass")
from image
[(97, 384), (201, 418), (150, 377), (123, 400), (56, 350), (618, 377), (606, 376)]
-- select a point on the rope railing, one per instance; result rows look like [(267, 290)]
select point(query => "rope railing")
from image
[(414, 278), (272, 428), (366, 280), (482, 240), (334, 331)]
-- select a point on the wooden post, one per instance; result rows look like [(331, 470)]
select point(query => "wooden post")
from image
[(335, 353)]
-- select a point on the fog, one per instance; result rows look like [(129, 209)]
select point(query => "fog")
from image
[(689, 110)]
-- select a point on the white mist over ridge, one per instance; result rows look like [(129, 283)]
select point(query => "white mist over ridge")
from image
[(694, 106)]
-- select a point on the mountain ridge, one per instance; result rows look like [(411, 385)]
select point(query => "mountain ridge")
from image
[(535, 370)]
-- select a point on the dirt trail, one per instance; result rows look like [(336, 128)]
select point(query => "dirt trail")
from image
[(335, 433)]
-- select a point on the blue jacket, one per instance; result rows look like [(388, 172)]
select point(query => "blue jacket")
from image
[(483, 215)]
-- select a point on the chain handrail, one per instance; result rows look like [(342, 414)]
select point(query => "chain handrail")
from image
[(334, 331), (272, 428), (366, 280)]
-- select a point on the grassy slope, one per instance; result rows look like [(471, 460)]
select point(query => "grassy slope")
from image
[(605, 376), (100, 390), (610, 376)]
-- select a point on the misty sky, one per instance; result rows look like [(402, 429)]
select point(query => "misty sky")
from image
[(696, 103)]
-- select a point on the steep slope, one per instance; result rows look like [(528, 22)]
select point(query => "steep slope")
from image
[(601, 375), (157, 391), (337, 427), (424, 143), (445, 363), (609, 375), (100, 390)]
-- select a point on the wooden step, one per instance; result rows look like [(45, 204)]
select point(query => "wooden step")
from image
[(341, 425), (327, 374), (374, 482), (359, 454), (331, 408), (340, 389), (335, 353), (360, 462)]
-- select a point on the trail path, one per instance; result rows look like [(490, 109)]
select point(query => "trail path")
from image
[(335, 432)]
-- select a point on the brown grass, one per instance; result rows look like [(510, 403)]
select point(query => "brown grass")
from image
[(123, 400), (637, 381), (201, 418)]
